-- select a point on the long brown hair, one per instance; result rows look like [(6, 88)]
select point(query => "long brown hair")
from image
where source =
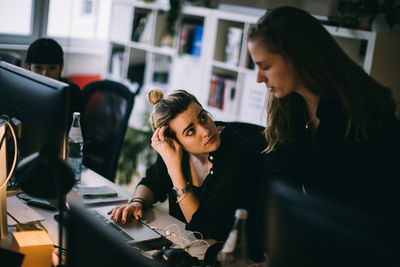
[(324, 69)]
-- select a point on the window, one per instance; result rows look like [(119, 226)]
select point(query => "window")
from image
[(83, 19), (16, 18)]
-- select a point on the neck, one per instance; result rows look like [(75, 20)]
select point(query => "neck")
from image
[(200, 158), (311, 100)]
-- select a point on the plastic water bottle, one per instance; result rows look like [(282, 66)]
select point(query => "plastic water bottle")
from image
[(234, 252), (75, 147)]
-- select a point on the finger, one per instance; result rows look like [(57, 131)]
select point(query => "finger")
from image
[(113, 213), (138, 214), (155, 135), (118, 214), (110, 211), (161, 133), (124, 214)]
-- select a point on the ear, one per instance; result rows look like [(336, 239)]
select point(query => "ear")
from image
[(28, 66)]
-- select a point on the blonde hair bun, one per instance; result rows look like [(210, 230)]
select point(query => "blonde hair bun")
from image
[(154, 96)]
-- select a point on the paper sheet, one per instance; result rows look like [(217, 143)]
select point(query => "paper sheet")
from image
[(21, 212), (99, 190)]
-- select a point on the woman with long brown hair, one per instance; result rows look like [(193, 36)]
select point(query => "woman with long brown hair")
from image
[(331, 128)]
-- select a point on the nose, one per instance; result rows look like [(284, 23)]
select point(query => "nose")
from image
[(261, 78), (45, 72), (204, 131)]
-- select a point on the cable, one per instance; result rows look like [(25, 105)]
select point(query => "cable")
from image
[(23, 196), (188, 240), (15, 152)]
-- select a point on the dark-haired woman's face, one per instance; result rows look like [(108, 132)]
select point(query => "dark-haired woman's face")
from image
[(49, 70), (195, 130), (272, 70)]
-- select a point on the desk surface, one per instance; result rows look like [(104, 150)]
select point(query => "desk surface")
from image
[(153, 217)]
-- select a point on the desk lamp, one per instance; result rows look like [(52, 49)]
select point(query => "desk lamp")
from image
[(46, 175)]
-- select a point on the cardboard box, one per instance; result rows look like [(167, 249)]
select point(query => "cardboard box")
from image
[(37, 247)]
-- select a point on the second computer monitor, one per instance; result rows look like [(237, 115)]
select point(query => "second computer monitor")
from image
[(40, 103)]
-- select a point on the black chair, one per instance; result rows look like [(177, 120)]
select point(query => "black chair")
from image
[(252, 132), (107, 106), (11, 57)]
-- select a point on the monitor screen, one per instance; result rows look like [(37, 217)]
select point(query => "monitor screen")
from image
[(313, 231), (39, 103), (89, 244)]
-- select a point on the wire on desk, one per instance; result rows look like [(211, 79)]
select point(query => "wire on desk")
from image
[(15, 149), (188, 240)]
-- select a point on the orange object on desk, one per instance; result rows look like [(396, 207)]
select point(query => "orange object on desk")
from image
[(37, 246)]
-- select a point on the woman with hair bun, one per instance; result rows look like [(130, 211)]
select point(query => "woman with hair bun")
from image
[(206, 173)]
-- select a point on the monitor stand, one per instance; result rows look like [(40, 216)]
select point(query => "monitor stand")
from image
[(3, 187)]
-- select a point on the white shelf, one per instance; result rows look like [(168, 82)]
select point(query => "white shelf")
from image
[(195, 73)]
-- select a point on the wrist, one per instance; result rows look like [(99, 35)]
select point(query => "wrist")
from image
[(180, 191), (137, 202)]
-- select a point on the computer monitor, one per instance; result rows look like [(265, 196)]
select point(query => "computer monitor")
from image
[(40, 103), (313, 231), (89, 244)]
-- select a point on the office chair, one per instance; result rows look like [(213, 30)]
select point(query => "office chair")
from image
[(106, 108), (11, 57), (252, 132)]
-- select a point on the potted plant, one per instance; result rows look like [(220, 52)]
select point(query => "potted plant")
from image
[(136, 154)]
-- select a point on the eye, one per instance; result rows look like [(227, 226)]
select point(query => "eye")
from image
[(38, 68), (190, 132), (264, 67), (203, 117)]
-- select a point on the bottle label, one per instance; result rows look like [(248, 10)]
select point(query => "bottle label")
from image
[(230, 243), (76, 165), (75, 134)]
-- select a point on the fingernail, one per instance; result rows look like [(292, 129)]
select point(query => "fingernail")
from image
[(123, 221)]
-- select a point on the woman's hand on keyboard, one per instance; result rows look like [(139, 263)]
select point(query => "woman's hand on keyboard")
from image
[(122, 212)]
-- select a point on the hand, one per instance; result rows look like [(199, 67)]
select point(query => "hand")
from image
[(168, 148), (135, 209)]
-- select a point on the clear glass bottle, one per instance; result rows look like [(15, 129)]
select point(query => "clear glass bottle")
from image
[(75, 147), (234, 252)]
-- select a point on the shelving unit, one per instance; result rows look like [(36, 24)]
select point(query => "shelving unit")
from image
[(144, 62)]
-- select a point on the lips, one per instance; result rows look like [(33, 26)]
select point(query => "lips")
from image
[(211, 140)]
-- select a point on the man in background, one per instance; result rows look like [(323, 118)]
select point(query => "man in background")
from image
[(46, 57)]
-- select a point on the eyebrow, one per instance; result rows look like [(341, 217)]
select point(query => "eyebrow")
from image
[(191, 124), (261, 63)]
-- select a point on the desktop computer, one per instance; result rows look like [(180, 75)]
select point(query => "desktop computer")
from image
[(41, 105)]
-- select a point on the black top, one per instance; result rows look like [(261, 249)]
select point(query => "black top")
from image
[(231, 184), (364, 175)]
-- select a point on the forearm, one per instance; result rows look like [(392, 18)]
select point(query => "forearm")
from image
[(188, 202), (144, 194)]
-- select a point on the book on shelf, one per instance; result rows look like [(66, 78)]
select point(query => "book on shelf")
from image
[(222, 93), (190, 38), (140, 26), (233, 45), (116, 63), (197, 41)]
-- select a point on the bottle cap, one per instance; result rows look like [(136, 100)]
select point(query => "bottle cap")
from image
[(241, 214), (77, 114)]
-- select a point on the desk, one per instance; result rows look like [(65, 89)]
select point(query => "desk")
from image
[(153, 217)]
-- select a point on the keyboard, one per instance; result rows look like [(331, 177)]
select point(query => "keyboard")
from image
[(111, 227)]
